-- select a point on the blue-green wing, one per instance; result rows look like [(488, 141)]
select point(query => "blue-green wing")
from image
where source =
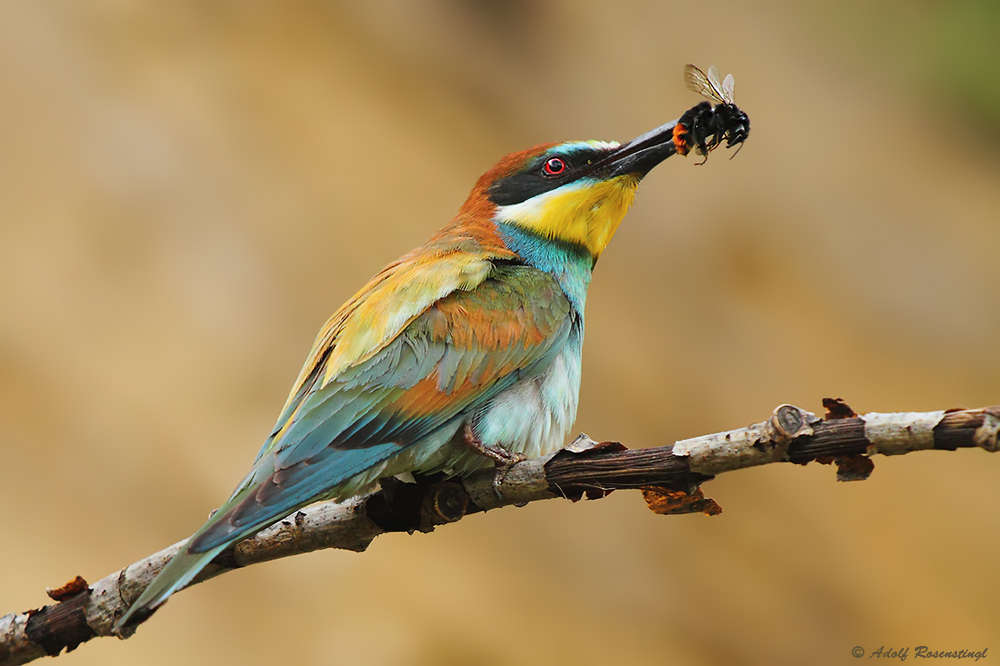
[(456, 355)]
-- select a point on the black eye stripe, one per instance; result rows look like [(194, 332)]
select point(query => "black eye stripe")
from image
[(540, 175)]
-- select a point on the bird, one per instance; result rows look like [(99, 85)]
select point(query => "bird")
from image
[(464, 353)]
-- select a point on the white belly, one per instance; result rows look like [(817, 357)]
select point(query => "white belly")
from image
[(534, 416), (531, 418)]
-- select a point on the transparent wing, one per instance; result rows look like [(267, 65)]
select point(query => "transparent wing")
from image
[(713, 78), (728, 88), (701, 83)]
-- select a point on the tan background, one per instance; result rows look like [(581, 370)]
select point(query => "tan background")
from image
[(188, 189)]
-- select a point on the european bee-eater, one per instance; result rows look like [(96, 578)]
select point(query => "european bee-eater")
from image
[(462, 354)]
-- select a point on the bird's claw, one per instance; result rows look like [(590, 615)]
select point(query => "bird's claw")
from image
[(502, 469), (501, 457)]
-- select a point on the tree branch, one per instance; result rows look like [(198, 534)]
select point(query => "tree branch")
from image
[(669, 476)]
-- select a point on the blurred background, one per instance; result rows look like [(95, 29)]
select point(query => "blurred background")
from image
[(189, 189)]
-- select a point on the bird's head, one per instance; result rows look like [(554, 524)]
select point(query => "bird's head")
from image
[(575, 192)]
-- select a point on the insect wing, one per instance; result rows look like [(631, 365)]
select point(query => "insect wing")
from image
[(698, 81), (713, 79), (728, 88)]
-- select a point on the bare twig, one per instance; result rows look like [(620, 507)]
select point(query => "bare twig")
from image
[(669, 476)]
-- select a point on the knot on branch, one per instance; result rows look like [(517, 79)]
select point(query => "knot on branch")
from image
[(419, 506), (62, 625)]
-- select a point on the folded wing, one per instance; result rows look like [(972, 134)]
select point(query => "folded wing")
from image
[(458, 353), (449, 358)]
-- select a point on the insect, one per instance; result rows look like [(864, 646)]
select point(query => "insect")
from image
[(705, 126)]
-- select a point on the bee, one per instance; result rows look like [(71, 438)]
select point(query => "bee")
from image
[(705, 126)]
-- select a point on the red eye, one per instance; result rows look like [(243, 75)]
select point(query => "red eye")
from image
[(554, 166)]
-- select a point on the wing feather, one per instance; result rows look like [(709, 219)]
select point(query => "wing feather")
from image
[(452, 358)]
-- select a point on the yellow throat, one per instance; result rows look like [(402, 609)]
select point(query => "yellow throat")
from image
[(585, 212)]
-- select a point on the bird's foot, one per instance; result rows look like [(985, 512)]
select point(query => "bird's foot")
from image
[(501, 457)]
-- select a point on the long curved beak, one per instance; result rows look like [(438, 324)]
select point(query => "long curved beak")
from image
[(640, 155)]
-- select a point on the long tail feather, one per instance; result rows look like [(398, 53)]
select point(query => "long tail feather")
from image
[(191, 559), (244, 515), (180, 571)]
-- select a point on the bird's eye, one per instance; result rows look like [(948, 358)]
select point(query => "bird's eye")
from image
[(554, 166)]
